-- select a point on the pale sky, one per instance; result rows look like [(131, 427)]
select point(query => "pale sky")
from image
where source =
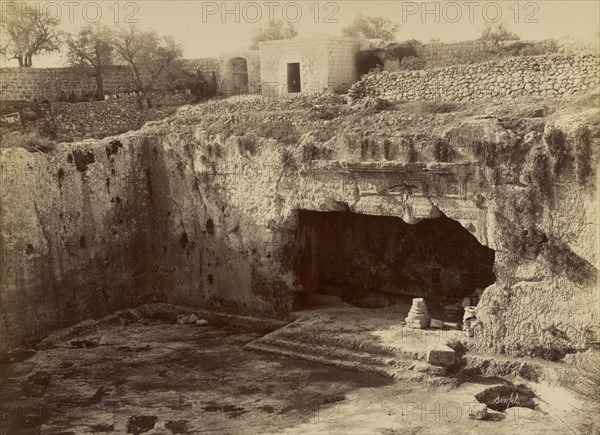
[(205, 31)]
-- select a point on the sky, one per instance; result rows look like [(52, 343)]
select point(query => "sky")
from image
[(210, 28)]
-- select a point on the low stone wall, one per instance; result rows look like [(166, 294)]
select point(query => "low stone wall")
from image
[(60, 84), (64, 84), (552, 75), (440, 55), (94, 119)]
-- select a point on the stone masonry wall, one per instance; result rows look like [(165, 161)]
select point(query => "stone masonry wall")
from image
[(342, 64), (552, 75), (59, 84)]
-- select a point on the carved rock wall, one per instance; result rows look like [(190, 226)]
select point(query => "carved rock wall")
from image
[(176, 214)]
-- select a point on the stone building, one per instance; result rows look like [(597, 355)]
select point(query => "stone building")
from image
[(307, 65)]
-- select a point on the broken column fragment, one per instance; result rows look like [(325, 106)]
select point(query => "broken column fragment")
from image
[(418, 316)]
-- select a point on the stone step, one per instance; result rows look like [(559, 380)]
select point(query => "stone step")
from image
[(397, 368), (390, 372), (312, 337), (324, 349)]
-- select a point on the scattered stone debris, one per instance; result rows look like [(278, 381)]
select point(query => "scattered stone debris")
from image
[(192, 319), (372, 103), (502, 397), (10, 119), (478, 412), (140, 423)]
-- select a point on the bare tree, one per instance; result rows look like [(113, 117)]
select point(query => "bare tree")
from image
[(92, 49), (372, 27), (27, 31), (148, 54), (275, 30)]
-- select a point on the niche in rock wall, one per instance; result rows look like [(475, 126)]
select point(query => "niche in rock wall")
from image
[(352, 255)]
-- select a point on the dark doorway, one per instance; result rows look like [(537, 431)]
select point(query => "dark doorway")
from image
[(293, 77), (353, 255), (367, 64)]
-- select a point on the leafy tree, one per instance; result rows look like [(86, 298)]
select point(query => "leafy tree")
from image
[(27, 31), (92, 49), (148, 54), (275, 30), (372, 27), (497, 34)]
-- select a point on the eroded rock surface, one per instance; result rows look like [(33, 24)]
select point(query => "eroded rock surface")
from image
[(201, 210)]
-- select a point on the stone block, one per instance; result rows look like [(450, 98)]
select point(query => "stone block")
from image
[(435, 323), (440, 355), (478, 412)]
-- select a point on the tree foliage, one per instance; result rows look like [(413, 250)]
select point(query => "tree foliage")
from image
[(148, 54), (370, 27), (497, 34), (26, 30), (92, 49), (275, 30)]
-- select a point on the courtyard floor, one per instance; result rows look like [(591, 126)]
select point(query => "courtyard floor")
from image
[(161, 378)]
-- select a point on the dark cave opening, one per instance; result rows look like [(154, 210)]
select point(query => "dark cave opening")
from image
[(374, 261), (366, 63)]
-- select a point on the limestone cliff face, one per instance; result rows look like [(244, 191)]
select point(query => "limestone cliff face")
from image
[(181, 213), (544, 228), (77, 238)]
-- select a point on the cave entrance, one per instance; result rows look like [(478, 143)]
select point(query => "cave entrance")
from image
[(376, 261), (368, 63)]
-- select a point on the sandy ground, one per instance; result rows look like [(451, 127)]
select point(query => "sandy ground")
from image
[(158, 378)]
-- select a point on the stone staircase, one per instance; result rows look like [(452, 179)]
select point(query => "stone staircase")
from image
[(317, 343)]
